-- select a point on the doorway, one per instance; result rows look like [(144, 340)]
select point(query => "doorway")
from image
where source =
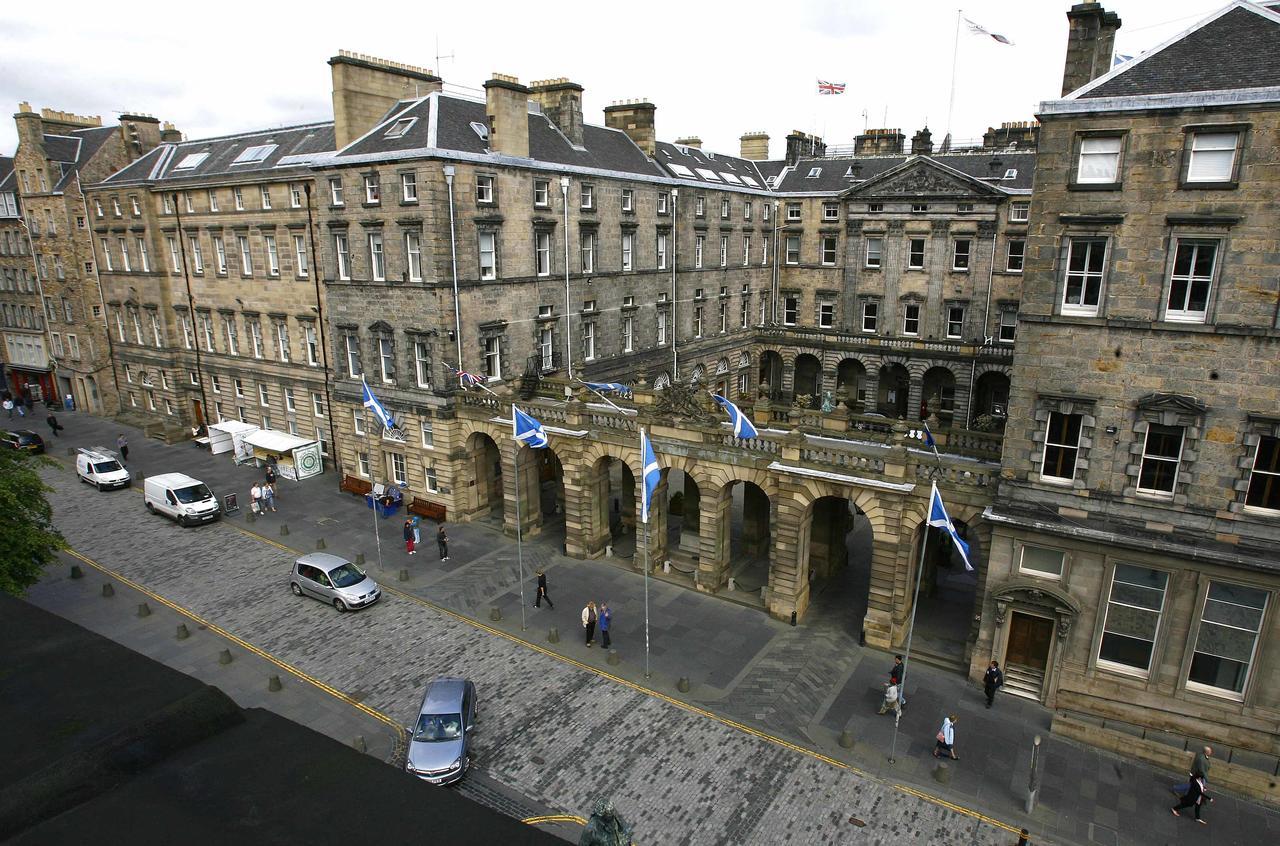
[(1026, 656)]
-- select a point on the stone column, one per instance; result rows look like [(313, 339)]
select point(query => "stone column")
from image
[(657, 527), (530, 493), (628, 505), (574, 500), (714, 540), (595, 509), (914, 396)]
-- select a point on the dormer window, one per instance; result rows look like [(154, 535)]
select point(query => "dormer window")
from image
[(480, 129), (814, 173), (400, 127)]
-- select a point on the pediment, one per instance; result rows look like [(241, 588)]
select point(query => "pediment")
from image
[(1036, 592), (1172, 402), (922, 178), (381, 327)]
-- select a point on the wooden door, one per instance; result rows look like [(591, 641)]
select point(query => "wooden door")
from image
[(1029, 639)]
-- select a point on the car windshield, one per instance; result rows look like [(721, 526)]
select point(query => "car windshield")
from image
[(106, 467), (29, 438), (433, 728), (195, 493), (346, 576)]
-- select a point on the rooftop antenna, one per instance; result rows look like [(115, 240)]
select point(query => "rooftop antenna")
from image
[(439, 57)]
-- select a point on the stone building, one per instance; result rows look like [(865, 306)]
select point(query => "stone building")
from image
[(22, 345), (58, 153), (1132, 580)]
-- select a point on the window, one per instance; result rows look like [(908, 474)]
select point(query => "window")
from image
[(237, 194), (911, 319), (588, 341), (409, 187), (697, 321), (213, 200), (166, 204), (295, 196), (746, 210), (915, 254), (790, 309), (1019, 211), (627, 333), (724, 209), (246, 257), (541, 193), (290, 405), (1086, 258), (628, 239), (793, 211), (1041, 562), (1099, 161), (255, 336), (826, 315), (700, 206), (265, 191), (588, 252), (919, 207), (968, 207), (422, 363), (342, 253), (387, 360), (372, 190), (335, 191), (1264, 477), (428, 433), (233, 336), (73, 346), (206, 327), (186, 203), (1008, 325), (662, 252), (870, 316), (364, 464), (197, 256), (663, 198), (1016, 255), (300, 254), (413, 255), (320, 440), (317, 404), (125, 264), (144, 258), (628, 199), (1161, 454), (699, 244), (352, 343), (1132, 618), (955, 321), (57, 345), (1212, 157), (875, 250), (106, 257), (764, 249), (188, 336), (220, 255), (662, 328), (546, 347), (430, 478), (1061, 447), (377, 263), (542, 253), (1190, 281), (724, 250), (239, 387), (256, 153), (273, 255), (484, 189), (313, 346), (830, 211), (488, 255), (588, 196), (264, 396), (724, 317), (793, 249), (493, 357), (1227, 639), (960, 254), (398, 468), (829, 250)]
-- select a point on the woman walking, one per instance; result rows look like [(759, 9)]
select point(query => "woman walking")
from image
[(408, 537), (947, 738)]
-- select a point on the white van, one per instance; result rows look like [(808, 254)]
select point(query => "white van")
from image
[(99, 468), (188, 501)]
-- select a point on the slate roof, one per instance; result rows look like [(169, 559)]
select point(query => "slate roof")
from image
[(690, 163), (8, 177), (295, 146), (74, 150), (1238, 47), (838, 174)]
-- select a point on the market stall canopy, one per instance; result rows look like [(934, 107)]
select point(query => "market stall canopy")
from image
[(282, 443)]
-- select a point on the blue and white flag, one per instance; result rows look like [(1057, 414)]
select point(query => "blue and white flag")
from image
[(609, 388), (938, 518), (742, 427), (527, 430), (930, 442), (1119, 59), (650, 472), (378, 409)]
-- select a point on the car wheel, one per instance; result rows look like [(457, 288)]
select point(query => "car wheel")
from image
[(98, 485), (297, 591), (340, 605), (181, 520), (151, 508)]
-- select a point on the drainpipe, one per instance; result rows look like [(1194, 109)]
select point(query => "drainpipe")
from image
[(191, 307), (675, 237), (986, 324), (453, 260), (97, 279), (324, 343), (777, 224), (568, 328)]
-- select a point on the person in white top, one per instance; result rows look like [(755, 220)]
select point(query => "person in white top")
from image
[(947, 738), (255, 498)]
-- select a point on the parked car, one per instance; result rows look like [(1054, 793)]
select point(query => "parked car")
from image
[(334, 581), (188, 501), (100, 469), (24, 440), (440, 748)]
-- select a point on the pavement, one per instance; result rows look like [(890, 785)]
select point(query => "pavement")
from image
[(748, 755)]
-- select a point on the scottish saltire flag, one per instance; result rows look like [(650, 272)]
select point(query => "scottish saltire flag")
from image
[(1119, 59), (930, 442), (978, 29), (527, 430), (378, 409), (742, 427), (650, 472), (825, 87), (938, 518), (608, 388)]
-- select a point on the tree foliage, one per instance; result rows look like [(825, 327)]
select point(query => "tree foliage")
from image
[(28, 540)]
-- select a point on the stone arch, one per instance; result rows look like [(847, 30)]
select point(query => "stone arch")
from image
[(482, 466), (851, 382), (949, 595), (808, 375), (770, 374), (894, 389), (938, 394), (663, 380), (991, 393)]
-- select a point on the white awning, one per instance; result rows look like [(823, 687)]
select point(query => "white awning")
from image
[(279, 442), (233, 427)]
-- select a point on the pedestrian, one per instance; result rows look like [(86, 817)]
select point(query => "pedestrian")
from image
[(897, 676), (8, 406), (606, 623), (28, 401), (123, 445), (53, 424), (255, 498), (1199, 767), (542, 592), (408, 537), (442, 541), (947, 738), (1196, 794), (589, 623), (271, 474), (992, 681), (268, 497), (890, 701), (417, 533)]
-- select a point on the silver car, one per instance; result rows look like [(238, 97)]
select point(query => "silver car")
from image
[(334, 581), (440, 748)]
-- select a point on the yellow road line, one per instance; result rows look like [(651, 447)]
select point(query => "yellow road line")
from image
[(554, 818)]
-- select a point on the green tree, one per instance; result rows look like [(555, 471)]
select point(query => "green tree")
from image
[(28, 541)]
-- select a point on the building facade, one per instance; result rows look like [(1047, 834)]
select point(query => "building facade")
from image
[(22, 346)]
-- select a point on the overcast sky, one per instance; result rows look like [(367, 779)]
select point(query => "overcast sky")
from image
[(715, 70)]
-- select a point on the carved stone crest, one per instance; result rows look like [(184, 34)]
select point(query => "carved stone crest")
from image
[(680, 400)]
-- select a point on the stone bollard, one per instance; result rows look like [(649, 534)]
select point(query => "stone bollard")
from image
[(108, 590), (666, 566), (733, 585), (284, 529), (76, 572), (846, 739), (942, 772), (404, 575), (273, 684), (553, 636), (144, 610), (359, 559), (250, 517), (359, 745), (224, 657), (71, 451), (320, 543), (495, 613), (613, 658), (137, 476), (183, 632), (683, 684)]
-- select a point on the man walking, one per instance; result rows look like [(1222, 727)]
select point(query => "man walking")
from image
[(442, 541), (8, 406), (542, 592), (1199, 768), (408, 537), (589, 623), (1197, 792), (53, 424), (123, 446), (606, 622), (897, 676), (992, 681)]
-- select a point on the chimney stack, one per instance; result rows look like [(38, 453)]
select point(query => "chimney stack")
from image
[(690, 141), (1090, 44), (922, 143), (170, 134), (507, 104), (879, 142), (561, 102), (634, 117), (366, 87), (141, 133), (754, 146), (802, 144), (1017, 135)]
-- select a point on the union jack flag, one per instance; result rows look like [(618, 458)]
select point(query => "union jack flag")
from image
[(825, 87), (467, 380)]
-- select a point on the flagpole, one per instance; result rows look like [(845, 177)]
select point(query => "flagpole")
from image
[(955, 52), (644, 495), (519, 534), (377, 537), (911, 627)]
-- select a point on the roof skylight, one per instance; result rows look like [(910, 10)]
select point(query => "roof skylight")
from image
[(254, 154), (729, 177), (1011, 173), (814, 173), (480, 129), (400, 127), (751, 182), (708, 174), (191, 161), (679, 169)]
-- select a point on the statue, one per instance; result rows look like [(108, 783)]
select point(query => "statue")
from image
[(828, 404), (605, 827)]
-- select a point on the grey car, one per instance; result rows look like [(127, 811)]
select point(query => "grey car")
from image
[(334, 581), (440, 748)]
